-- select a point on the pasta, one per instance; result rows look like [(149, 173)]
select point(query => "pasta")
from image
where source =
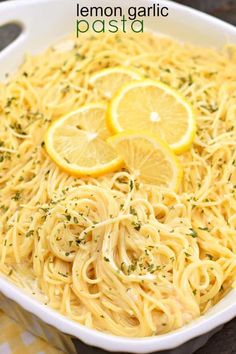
[(112, 253)]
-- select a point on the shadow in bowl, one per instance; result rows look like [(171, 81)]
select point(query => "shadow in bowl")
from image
[(9, 33)]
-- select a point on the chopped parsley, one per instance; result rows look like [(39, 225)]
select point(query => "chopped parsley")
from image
[(46, 210), (209, 256), (76, 221), (62, 274), (68, 217), (29, 233), (204, 228), (10, 101), (137, 225), (187, 254), (210, 108), (192, 233), (131, 185), (133, 211), (66, 160), (17, 196), (4, 208), (80, 56)]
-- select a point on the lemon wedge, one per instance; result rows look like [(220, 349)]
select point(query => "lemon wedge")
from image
[(77, 142), (153, 106), (108, 81), (149, 159)]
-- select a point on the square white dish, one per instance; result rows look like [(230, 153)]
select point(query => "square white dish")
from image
[(43, 23)]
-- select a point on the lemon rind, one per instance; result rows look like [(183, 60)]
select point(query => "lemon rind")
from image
[(73, 169), (119, 69), (113, 125), (160, 143)]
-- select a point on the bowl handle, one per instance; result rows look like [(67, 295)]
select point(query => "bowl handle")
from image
[(43, 22)]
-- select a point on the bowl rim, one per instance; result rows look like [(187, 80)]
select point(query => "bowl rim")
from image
[(110, 342)]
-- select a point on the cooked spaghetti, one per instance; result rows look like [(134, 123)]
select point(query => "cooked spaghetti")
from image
[(112, 253)]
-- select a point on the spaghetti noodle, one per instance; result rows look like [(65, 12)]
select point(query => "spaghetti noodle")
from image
[(111, 253)]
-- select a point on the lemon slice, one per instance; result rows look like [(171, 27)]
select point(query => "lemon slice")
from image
[(148, 158), (108, 81), (77, 143), (153, 106)]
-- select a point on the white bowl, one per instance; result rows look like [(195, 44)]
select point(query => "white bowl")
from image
[(44, 22)]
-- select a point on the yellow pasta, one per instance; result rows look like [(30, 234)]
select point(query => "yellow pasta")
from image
[(111, 253)]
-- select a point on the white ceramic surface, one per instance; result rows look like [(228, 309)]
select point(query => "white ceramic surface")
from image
[(44, 22)]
